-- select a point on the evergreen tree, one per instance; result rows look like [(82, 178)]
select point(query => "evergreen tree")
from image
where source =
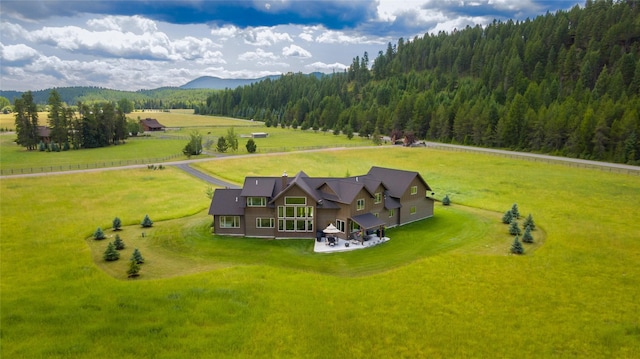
[(117, 223), (232, 139), (528, 222), (514, 211), (251, 146), (26, 114), (506, 219), (146, 222), (527, 237), (446, 201), (516, 247), (134, 269), (118, 243), (222, 145), (137, 257), (111, 254), (99, 234), (514, 228)]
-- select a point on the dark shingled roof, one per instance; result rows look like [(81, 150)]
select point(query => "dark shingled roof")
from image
[(368, 220), (259, 187), (397, 181), (227, 202)]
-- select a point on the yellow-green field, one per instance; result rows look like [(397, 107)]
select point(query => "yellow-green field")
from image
[(443, 287)]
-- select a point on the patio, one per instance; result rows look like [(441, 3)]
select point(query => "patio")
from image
[(342, 245)]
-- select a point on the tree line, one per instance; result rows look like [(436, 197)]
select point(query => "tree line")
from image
[(564, 83), (83, 126)]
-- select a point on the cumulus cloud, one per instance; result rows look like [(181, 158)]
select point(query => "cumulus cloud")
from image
[(295, 51), (263, 36), (323, 67), (340, 37), (225, 32), (123, 23), (257, 55), (15, 55)]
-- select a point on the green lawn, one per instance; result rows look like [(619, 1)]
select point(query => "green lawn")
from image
[(444, 287)]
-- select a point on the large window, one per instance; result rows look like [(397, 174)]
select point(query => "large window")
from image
[(264, 223), (295, 215), (360, 204), (229, 221), (414, 190), (256, 202), (377, 198)]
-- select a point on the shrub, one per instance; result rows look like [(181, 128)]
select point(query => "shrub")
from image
[(514, 211), (134, 269), (137, 257), (146, 222), (528, 222), (514, 229), (516, 247), (118, 243), (251, 146), (111, 254), (99, 234), (506, 219), (117, 223), (222, 145), (446, 201), (527, 237)]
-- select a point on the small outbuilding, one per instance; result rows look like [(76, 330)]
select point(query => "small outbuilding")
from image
[(151, 124)]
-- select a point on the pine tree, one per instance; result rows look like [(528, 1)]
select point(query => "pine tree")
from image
[(137, 257), (528, 222), (251, 146), (527, 237), (446, 201), (514, 229), (506, 219), (516, 247), (514, 211), (99, 234), (146, 222), (117, 223), (118, 243), (111, 254), (134, 269)]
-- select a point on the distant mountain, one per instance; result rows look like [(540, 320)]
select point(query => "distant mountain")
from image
[(216, 83)]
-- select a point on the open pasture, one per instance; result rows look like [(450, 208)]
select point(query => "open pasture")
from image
[(575, 296)]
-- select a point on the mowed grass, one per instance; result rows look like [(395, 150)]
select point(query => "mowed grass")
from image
[(575, 296)]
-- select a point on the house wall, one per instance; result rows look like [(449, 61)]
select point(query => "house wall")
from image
[(250, 216), (228, 231), (295, 191), (424, 205)]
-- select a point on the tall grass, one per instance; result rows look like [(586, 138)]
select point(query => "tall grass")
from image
[(575, 296)]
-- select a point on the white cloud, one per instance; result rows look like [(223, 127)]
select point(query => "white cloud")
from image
[(321, 66), (295, 51), (340, 37), (264, 36), (225, 32), (257, 55), (17, 53), (123, 23)]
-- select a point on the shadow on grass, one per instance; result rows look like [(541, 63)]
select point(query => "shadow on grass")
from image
[(186, 246)]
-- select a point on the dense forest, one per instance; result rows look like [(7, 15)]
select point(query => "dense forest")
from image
[(161, 98), (564, 83)]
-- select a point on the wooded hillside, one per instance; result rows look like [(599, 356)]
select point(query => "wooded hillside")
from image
[(566, 83)]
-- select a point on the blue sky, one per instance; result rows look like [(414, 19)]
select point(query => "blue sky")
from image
[(145, 44)]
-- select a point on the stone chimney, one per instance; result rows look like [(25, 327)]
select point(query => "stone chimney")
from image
[(284, 179)]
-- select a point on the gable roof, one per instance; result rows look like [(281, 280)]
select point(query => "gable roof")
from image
[(397, 181), (259, 187), (151, 123), (227, 201)]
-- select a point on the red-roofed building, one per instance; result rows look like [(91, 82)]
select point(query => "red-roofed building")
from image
[(151, 124)]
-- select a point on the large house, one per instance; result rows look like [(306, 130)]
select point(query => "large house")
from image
[(302, 206)]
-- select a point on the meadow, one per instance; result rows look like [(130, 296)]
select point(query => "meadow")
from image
[(443, 287)]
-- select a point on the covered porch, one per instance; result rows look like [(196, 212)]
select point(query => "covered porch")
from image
[(369, 232)]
